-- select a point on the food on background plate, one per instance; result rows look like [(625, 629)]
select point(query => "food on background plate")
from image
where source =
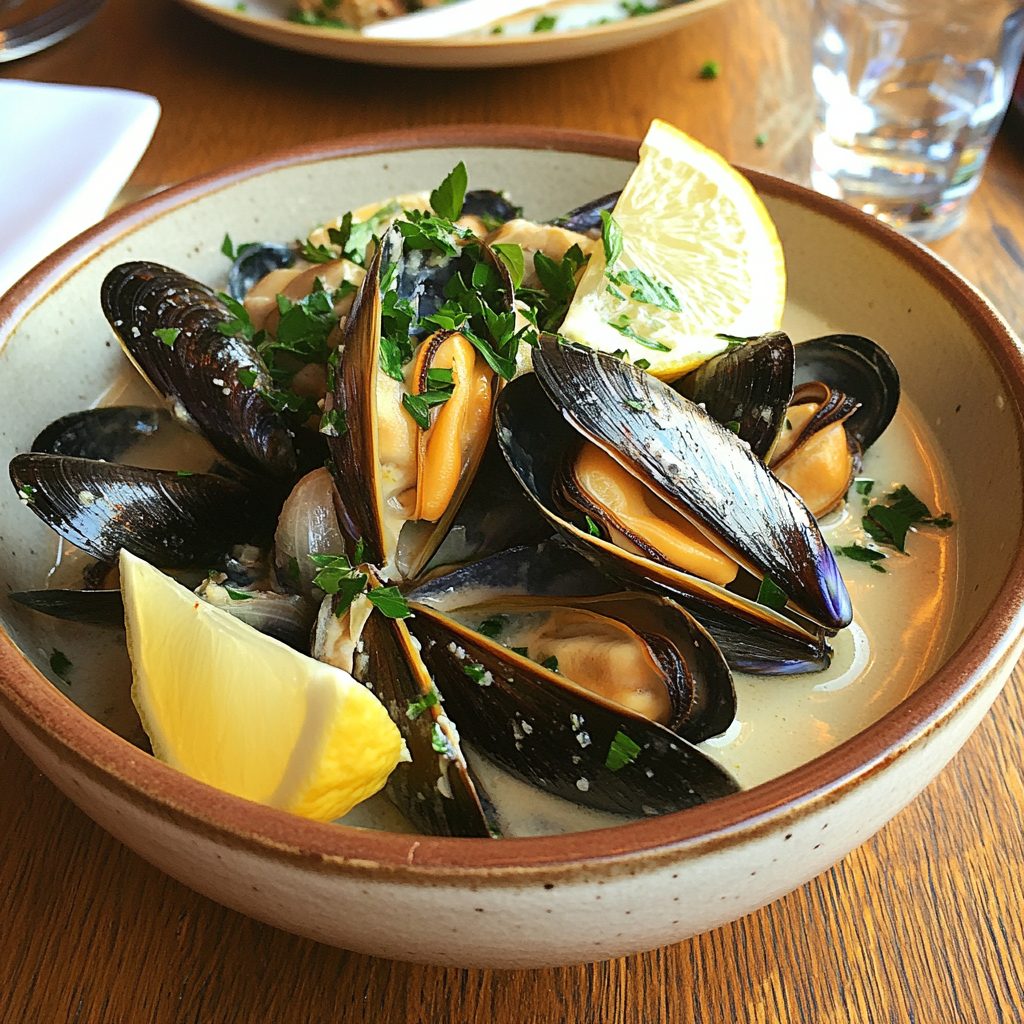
[(432, 19), (351, 383)]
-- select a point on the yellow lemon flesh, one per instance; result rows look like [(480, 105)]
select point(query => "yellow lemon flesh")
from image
[(691, 222), (243, 712)]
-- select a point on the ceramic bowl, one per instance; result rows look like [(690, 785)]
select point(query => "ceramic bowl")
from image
[(538, 901), (266, 21)]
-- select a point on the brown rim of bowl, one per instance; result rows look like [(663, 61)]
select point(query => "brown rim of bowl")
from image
[(651, 23), (231, 820)]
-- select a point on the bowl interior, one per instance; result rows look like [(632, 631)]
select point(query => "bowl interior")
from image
[(61, 355)]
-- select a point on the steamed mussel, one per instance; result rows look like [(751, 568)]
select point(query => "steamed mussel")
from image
[(590, 664)]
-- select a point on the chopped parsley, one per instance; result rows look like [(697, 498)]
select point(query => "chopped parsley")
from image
[(622, 751), (27, 494), (440, 742), (417, 707), (247, 377), (592, 528), (545, 23), (643, 288), (390, 602), (862, 484), (709, 70), (634, 404), (477, 673), (550, 663), (168, 335), (624, 326), (332, 423), (550, 302), (636, 10), (733, 425), (761, 140), (337, 576), (860, 553), (511, 255), (493, 626), (238, 595), (890, 522), (232, 251), (60, 663), (771, 595), (447, 199), (523, 652)]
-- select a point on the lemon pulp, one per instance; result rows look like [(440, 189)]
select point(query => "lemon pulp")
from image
[(689, 221), (243, 712)]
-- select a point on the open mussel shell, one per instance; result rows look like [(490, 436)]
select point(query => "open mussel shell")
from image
[(558, 736), (753, 638), (171, 520), (254, 262), (677, 667), (701, 469), (433, 789), (107, 433), (355, 452), (749, 386), (858, 367), (197, 373)]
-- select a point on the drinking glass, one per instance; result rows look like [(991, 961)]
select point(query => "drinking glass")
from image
[(910, 94)]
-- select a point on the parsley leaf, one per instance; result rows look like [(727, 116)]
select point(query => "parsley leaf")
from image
[(550, 663), (417, 707), (511, 255), (390, 602), (771, 595), (612, 237), (60, 663), (622, 751), (493, 626), (446, 200), (649, 291), (168, 335), (859, 553)]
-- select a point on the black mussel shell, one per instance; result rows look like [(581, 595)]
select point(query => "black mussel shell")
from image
[(700, 468), (106, 433), (549, 569), (858, 367), (748, 387), (99, 607), (587, 218), (171, 520), (561, 739), (283, 618), (433, 790), (253, 264), (490, 207), (753, 638), (198, 372)]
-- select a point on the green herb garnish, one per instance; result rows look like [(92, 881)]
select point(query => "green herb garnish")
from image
[(710, 69), (622, 751), (60, 663), (550, 663), (168, 335), (493, 626), (859, 553), (477, 673), (771, 595), (545, 23), (417, 707), (390, 602), (446, 200)]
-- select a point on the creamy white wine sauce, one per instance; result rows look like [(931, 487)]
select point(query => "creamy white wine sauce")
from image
[(901, 624)]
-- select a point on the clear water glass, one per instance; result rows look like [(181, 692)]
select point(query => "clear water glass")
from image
[(910, 94)]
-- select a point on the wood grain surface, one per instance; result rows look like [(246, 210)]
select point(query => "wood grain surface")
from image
[(923, 923)]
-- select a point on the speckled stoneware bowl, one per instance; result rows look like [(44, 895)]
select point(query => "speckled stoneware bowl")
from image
[(521, 902)]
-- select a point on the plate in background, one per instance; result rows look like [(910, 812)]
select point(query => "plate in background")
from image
[(266, 20)]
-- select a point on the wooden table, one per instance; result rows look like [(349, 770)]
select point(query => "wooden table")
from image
[(923, 923)]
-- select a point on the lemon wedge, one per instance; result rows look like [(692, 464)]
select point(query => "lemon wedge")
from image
[(691, 223), (243, 712)]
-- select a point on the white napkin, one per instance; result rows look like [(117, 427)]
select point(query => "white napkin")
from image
[(65, 153)]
